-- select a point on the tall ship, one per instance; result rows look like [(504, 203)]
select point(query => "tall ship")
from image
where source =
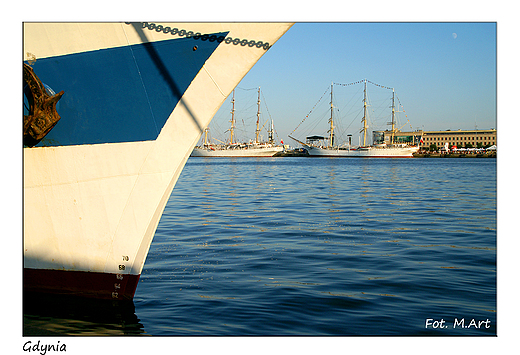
[(254, 148), (112, 112), (384, 145)]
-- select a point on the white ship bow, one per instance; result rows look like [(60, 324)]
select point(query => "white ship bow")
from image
[(91, 206)]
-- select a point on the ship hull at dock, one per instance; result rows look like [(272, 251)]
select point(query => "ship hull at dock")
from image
[(371, 152), (137, 98), (236, 153)]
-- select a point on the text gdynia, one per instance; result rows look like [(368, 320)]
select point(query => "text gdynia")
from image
[(42, 349)]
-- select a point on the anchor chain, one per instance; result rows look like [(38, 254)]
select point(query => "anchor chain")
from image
[(203, 37)]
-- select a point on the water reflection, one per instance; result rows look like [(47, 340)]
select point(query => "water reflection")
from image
[(57, 315)]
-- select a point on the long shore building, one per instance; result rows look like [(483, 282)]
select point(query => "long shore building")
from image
[(459, 138)]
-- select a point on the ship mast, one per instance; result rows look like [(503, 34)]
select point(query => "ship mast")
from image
[(331, 139), (271, 131), (232, 129), (393, 116), (257, 132), (206, 136), (365, 126)]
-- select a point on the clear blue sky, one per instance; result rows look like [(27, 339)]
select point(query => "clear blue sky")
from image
[(444, 73)]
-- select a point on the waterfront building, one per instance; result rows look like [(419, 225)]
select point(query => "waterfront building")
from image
[(397, 137), (478, 138)]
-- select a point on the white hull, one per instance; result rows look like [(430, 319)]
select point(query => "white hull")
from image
[(238, 152), (95, 207), (370, 152)]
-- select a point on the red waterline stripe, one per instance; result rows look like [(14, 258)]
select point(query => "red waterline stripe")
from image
[(80, 283)]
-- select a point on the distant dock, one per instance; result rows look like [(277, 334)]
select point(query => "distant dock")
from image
[(455, 155), (303, 153), (292, 153)]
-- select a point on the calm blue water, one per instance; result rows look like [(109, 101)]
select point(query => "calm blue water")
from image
[(317, 246)]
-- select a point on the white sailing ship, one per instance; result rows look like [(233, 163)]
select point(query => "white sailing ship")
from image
[(237, 149), (379, 148)]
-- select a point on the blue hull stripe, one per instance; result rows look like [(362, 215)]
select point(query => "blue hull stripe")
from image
[(121, 94)]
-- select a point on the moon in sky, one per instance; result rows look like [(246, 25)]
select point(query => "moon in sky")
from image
[(454, 35)]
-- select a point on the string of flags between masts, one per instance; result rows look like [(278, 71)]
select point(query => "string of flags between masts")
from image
[(383, 144), (234, 148)]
